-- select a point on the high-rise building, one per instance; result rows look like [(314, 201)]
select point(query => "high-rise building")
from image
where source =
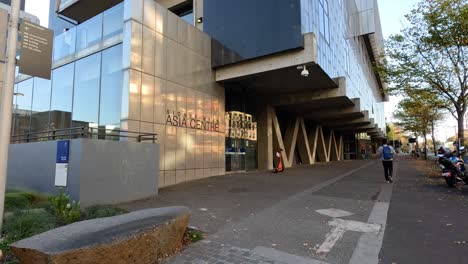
[(58, 23), (223, 83), (8, 3)]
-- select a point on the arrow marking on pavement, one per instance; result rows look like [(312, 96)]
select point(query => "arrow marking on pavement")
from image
[(340, 226)]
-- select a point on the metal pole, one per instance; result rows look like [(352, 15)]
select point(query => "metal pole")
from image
[(6, 100)]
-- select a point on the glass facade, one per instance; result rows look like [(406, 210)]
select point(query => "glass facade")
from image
[(86, 89), (85, 93), (85, 38), (246, 29)]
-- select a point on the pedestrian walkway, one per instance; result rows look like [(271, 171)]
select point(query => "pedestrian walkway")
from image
[(427, 221), (312, 215)]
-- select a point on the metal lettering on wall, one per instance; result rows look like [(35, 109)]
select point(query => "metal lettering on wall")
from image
[(179, 119), (240, 125)]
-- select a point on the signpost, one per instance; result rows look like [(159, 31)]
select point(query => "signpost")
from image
[(36, 50), (61, 163), (6, 100)]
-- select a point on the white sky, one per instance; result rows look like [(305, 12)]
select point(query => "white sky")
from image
[(391, 14), (39, 8)]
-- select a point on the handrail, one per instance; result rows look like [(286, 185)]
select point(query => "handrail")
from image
[(83, 132)]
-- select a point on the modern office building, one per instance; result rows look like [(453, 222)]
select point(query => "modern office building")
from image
[(224, 84), (8, 3), (57, 23)]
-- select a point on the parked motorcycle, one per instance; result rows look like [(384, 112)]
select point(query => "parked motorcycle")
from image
[(453, 170)]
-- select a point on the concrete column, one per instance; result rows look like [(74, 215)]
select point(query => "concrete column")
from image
[(312, 137), (303, 145), (278, 142), (322, 146), (334, 154), (290, 139), (265, 137)]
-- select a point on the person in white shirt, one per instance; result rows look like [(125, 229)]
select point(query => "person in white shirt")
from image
[(386, 152)]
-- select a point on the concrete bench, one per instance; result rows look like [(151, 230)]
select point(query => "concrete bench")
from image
[(141, 237)]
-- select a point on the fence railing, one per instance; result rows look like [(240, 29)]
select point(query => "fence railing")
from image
[(84, 132)]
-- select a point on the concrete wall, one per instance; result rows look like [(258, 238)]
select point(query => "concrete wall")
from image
[(114, 172), (103, 172)]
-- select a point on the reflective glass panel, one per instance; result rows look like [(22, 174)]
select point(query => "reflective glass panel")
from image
[(242, 29), (89, 33), (40, 105), (64, 44), (22, 107), (62, 93), (113, 21), (86, 92), (188, 17), (111, 87)]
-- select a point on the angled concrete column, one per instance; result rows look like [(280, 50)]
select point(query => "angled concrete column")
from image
[(278, 142), (303, 145), (334, 154), (265, 137), (312, 137), (290, 139), (323, 149)]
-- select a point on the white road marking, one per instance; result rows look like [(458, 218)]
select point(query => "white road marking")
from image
[(369, 244), (333, 212), (331, 239), (340, 227)]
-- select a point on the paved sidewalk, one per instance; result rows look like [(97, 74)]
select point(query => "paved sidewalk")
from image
[(427, 223), (272, 218)]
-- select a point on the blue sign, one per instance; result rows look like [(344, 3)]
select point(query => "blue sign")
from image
[(63, 149)]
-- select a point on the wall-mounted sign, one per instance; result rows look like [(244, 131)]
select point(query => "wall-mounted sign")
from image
[(61, 162), (36, 50), (240, 125), (179, 119)]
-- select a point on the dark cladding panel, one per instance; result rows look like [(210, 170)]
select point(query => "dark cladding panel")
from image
[(247, 29)]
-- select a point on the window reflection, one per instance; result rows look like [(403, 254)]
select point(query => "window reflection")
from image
[(89, 33), (22, 107), (62, 91), (111, 88), (113, 21), (40, 105), (64, 44), (86, 92)]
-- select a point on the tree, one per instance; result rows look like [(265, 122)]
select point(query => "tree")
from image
[(430, 55), (418, 114)]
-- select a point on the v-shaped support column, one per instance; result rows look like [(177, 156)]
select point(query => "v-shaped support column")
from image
[(303, 144)]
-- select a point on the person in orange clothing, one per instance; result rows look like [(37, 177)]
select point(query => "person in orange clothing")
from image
[(279, 161)]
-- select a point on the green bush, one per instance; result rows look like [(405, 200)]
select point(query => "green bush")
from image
[(20, 200), (100, 211), (23, 224), (64, 211), (15, 201)]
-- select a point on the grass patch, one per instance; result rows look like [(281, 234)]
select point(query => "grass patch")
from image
[(22, 200)]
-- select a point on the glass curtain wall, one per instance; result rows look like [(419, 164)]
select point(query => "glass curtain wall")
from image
[(86, 93)]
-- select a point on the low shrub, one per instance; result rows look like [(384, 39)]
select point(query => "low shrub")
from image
[(20, 200), (15, 201), (100, 211), (64, 211)]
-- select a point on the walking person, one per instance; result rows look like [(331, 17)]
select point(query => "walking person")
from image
[(386, 152)]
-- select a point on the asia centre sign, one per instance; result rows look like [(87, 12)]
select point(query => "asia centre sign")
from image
[(36, 50)]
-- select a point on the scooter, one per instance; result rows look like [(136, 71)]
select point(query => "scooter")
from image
[(453, 170)]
